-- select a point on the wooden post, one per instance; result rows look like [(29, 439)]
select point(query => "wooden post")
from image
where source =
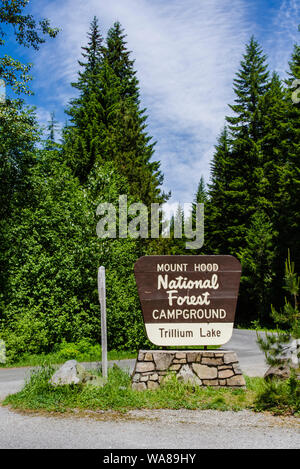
[(102, 301)]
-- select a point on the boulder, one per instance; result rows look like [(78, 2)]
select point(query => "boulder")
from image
[(282, 371), (72, 372)]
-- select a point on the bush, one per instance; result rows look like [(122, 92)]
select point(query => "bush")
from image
[(50, 255), (80, 351), (279, 396)]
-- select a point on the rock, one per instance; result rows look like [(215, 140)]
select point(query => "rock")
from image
[(237, 380), (291, 351), (204, 371), (193, 357), (175, 367), (230, 357), (153, 385), (201, 368), (212, 361), (143, 367), (162, 360), (148, 357), (187, 375), (153, 377), (226, 373), (282, 371), (144, 379), (211, 382), (66, 374), (139, 386), (135, 378), (72, 372)]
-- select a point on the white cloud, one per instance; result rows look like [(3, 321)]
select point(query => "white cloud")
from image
[(284, 34), (186, 52)]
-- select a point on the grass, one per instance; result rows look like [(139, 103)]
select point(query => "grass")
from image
[(117, 395), (277, 397)]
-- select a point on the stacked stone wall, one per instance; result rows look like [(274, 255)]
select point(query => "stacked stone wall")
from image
[(200, 368)]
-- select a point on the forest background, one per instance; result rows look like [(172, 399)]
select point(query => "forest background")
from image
[(52, 183)]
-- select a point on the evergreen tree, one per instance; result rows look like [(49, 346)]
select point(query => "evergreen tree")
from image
[(177, 239), (237, 193), (92, 115), (237, 163), (134, 149), (118, 57), (257, 259), (216, 217), (84, 135), (201, 194), (288, 198), (276, 345), (250, 84), (106, 122)]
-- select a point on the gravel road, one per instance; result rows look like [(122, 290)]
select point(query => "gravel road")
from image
[(166, 429)]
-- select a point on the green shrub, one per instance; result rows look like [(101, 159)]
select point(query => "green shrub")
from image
[(82, 350), (50, 255), (279, 396)]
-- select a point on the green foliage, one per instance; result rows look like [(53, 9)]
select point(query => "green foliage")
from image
[(257, 265), (252, 211), (279, 396), (275, 344), (52, 253), (28, 33), (77, 351), (118, 395)]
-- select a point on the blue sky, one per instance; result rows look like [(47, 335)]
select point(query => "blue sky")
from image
[(186, 55)]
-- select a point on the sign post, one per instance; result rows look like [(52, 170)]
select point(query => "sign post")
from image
[(102, 301)]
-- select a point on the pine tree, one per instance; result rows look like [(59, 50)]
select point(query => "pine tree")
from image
[(106, 123), (216, 217), (177, 239), (134, 150), (84, 135), (276, 345), (92, 117), (288, 198), (250, 84), (237, 189), (237, 163), (257, 259), (118, 58)]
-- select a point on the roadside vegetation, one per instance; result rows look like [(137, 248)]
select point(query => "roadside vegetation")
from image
[(39, 395), (82, 351)]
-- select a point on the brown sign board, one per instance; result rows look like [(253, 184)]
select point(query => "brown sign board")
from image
[(188, 300)]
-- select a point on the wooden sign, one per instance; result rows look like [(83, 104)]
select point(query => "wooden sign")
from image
[(188, 300)]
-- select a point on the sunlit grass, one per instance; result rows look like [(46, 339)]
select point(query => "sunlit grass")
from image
[(117, 394)]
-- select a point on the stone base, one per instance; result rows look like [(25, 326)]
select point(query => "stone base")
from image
[(198, 367)]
